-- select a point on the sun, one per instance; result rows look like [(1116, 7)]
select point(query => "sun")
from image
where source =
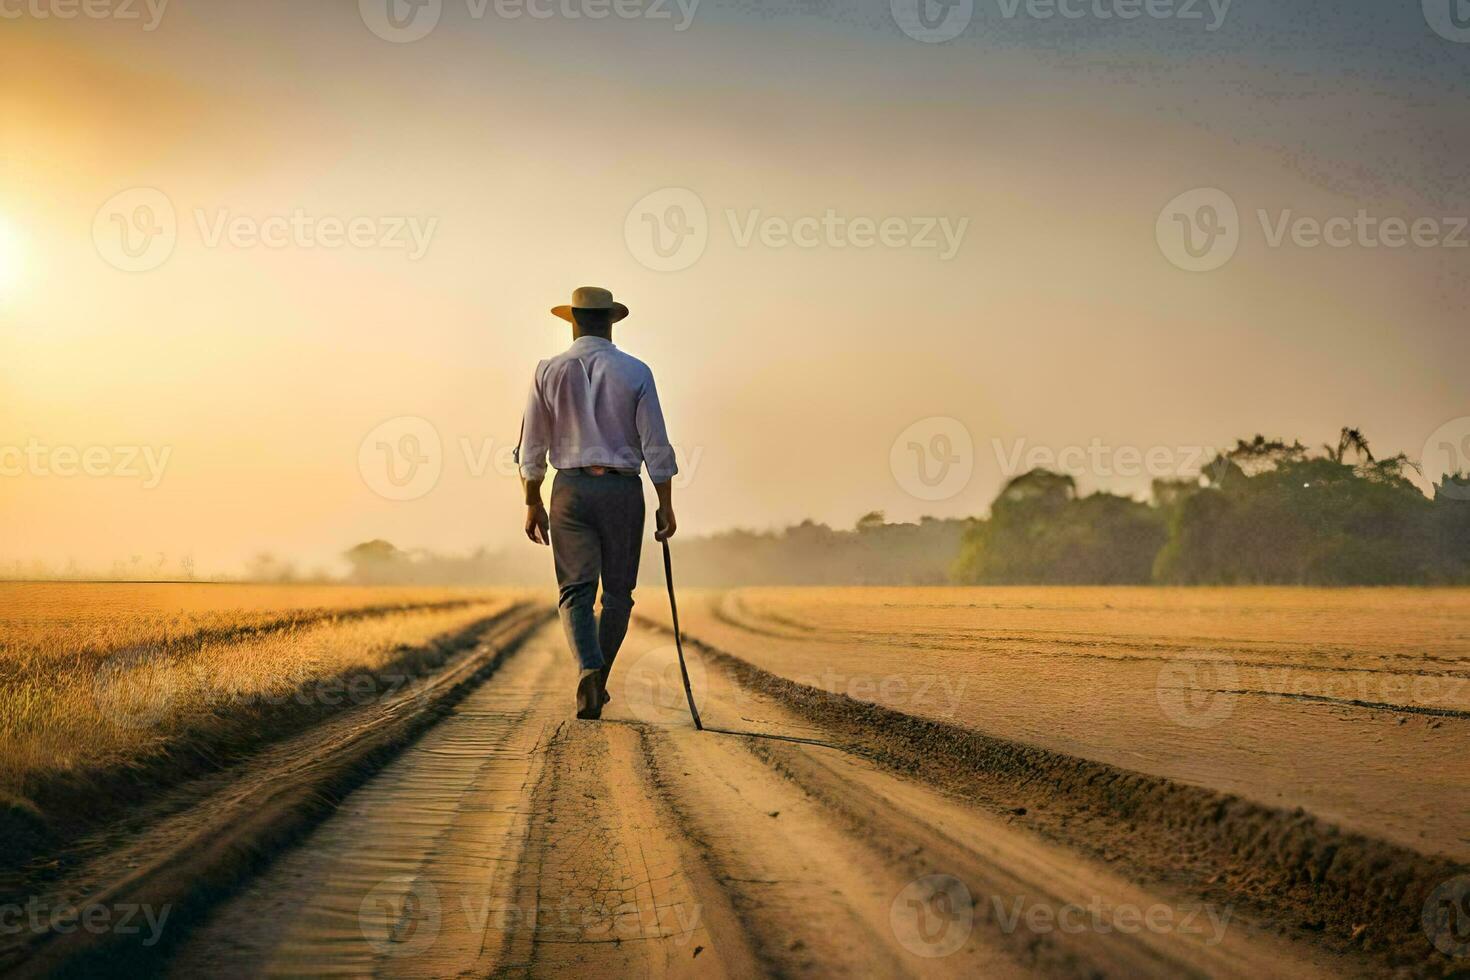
[(11, 259)]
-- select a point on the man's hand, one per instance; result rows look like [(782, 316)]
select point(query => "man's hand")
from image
[(538, 525), (664, 522)]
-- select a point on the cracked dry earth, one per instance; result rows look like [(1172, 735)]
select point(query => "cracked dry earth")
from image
[(514, 840)]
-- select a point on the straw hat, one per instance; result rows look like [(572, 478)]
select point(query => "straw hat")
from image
[(591, 298)]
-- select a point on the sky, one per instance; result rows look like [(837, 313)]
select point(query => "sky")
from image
[(274, 276)]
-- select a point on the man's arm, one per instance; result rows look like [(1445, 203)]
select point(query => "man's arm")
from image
[(664, 521), (658, 454), (531, 455)]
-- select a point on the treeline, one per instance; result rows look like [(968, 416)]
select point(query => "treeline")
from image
[(872, 553), (1266, 512), (379, 562)]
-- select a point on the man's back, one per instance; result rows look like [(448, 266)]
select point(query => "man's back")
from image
[(594, 405)]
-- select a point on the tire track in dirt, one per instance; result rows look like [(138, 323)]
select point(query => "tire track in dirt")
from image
[(612, 891), (411, 876), (838, 866), (1073, 644)]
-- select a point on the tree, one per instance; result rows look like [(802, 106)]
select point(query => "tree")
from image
[(374, 561), (1040, 531), (1267, 511)]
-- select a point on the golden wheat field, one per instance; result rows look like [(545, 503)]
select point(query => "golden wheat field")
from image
[(99, 676)]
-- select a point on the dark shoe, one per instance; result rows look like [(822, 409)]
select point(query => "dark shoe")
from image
[(606, 697), (589, 694)]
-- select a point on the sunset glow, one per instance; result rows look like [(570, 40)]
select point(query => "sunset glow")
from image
[(12, 260)]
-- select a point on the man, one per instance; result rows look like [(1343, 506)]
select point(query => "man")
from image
[(595, 410)]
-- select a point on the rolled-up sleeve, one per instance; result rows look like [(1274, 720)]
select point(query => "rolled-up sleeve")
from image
[(535, 433), (653, 437)]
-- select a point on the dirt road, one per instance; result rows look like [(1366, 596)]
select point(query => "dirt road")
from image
[(513, 840)]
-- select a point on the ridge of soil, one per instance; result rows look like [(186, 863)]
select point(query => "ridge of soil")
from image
[(1287, 867)]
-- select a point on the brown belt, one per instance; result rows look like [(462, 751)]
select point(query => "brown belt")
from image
[(600, 471)]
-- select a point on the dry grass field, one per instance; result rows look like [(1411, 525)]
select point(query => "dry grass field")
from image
[(99, 681)]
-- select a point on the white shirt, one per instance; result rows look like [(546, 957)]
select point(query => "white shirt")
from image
[(593, 405)]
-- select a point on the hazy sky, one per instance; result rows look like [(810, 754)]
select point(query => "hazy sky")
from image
[(236, 244)]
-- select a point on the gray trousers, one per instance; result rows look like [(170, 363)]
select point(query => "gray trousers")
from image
[(596, 535)]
